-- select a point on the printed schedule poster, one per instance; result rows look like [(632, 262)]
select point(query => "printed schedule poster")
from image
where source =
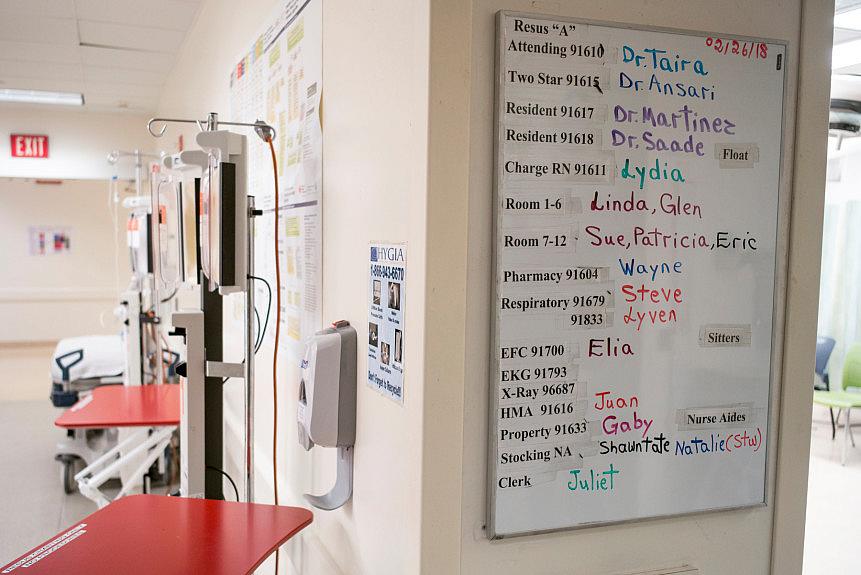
[(387, 287), (279, 79), (638, 262)]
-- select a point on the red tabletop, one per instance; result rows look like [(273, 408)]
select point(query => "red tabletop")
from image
[(147, 534), (125, 406)]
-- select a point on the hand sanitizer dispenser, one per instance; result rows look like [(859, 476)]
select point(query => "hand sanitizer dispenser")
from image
[(327, 405)]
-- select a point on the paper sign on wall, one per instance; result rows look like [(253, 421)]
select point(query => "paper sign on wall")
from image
[(49, 241), (279, 78), (386, 301)]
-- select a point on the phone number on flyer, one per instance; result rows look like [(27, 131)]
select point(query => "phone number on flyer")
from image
[(387, 272)]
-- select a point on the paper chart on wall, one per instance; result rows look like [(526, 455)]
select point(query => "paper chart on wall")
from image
[(280, 80), (387, 293), (637, 272), (49, 240)]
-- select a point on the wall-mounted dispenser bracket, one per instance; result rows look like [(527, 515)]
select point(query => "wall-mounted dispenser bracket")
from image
[(327, 405), (343, 488)]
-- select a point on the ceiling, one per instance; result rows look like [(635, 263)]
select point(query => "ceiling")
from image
[(846, 82), (118, 53)]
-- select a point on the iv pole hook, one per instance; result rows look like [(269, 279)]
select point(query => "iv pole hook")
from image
[(164, 122), (261, 128)]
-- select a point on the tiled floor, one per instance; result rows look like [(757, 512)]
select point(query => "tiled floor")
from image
[(33, 505), (833, 531)]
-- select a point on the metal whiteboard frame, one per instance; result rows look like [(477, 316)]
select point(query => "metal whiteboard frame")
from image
[(781, 263)]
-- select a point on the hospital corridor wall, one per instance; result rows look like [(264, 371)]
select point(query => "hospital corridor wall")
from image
[(45, 297), (48, 294), (408, 93), (418, 503), (374, 179), (80, 141), (765, 539)]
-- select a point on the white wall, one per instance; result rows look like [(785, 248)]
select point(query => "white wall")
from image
[(408, 92), (45, 298), (460, 182), (79, 141), (375, 132)]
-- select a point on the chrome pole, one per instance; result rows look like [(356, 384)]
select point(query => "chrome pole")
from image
[(249, 357), (138, 173)]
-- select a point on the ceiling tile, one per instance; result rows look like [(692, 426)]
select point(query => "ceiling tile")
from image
[(34, 52), (124, 90), (122, 76), (853, 70), (95, 99), (54, 8), (46, 70), (104, 109), (51, 84), (845, 5), (126, 59), (136, 37), (115, 52), (166, 14), (842, 35), (30, 28)]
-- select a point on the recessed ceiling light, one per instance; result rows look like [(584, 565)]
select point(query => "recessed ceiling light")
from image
[(851, 19), (41, 97)]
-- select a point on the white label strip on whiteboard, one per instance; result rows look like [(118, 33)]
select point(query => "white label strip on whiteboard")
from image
[(637, 216)]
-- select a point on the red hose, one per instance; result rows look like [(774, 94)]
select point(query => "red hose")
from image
[(277, 336)]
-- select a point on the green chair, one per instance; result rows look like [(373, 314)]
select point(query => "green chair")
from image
[(846, 398)]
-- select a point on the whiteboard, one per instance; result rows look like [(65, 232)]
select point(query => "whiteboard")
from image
[(637, 269)]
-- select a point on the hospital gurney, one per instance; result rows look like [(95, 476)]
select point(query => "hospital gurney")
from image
[(82, 363), (79, 365), (152, 411)]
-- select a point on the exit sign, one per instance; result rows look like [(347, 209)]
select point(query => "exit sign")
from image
[(28, 146)]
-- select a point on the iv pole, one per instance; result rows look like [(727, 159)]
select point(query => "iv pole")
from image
[(113, 158), (218, 368)]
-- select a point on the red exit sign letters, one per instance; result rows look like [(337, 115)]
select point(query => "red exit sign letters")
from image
[(28, 146)]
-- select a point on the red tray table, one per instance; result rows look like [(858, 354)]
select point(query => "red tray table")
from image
[(146, 534)]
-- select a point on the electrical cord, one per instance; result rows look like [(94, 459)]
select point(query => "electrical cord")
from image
[(230, 479), (165, 347), (268, 309), (261, 332), (257, 336), (277, 336), (170, 297)]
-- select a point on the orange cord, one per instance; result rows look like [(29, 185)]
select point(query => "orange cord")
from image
[(275, 352)]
